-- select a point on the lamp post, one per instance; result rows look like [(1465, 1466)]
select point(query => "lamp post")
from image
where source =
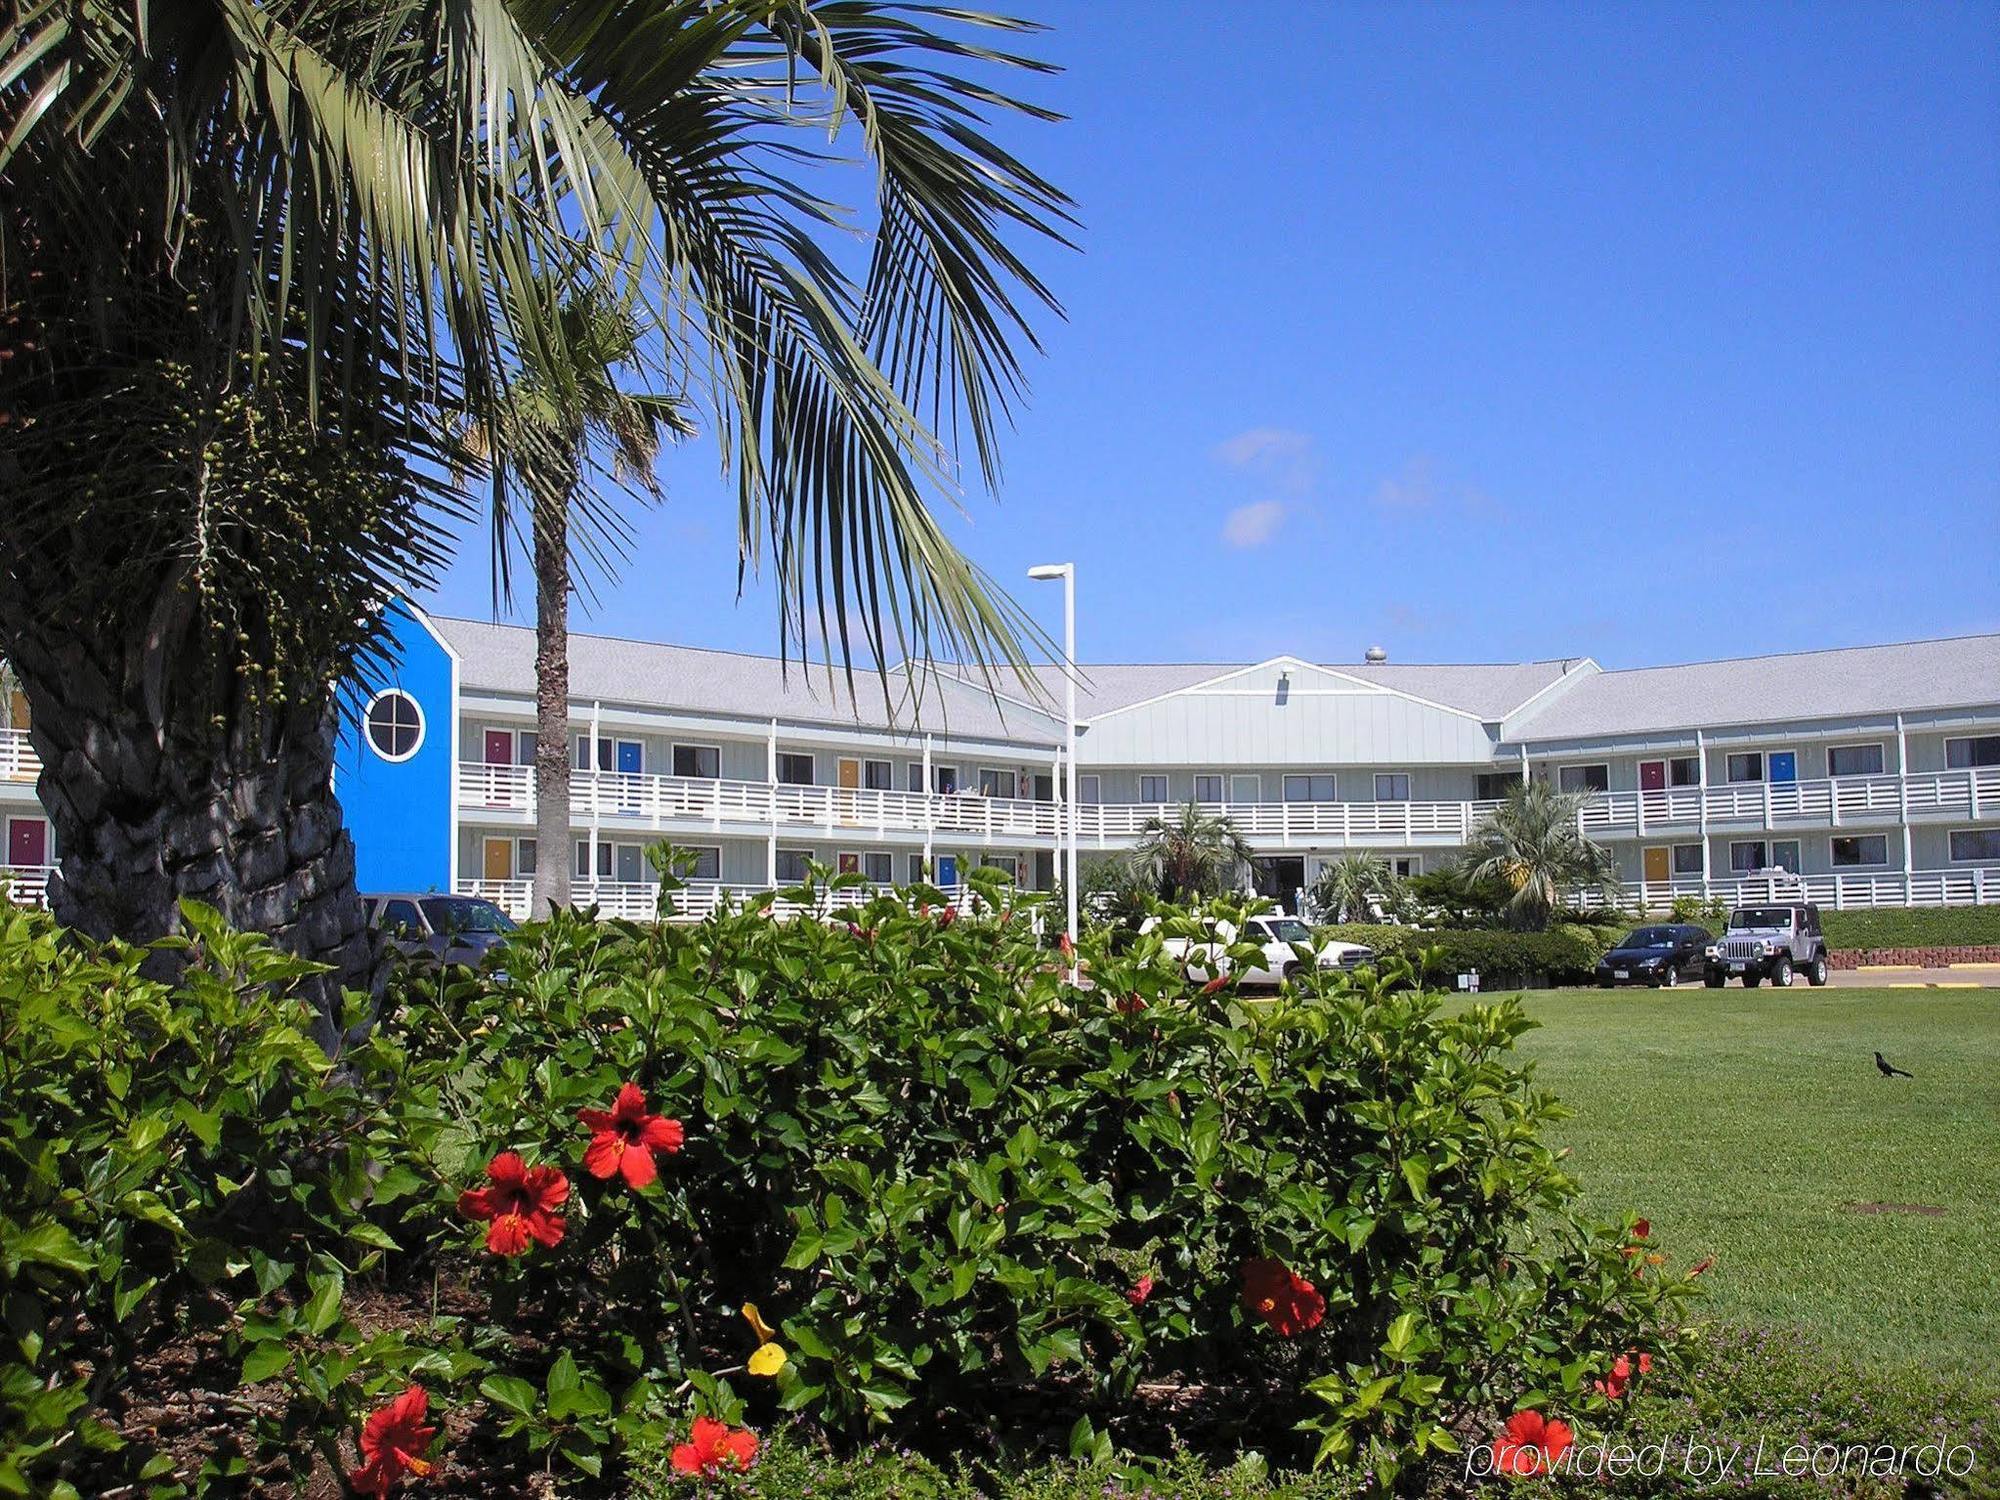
[(1067, 573)]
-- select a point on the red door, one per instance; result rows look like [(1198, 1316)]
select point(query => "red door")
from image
[(1652, 775), (27, 841), (499, 747)]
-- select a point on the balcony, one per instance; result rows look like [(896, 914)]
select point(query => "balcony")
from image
[(1971, 885), (1848, 801), (18, 761), (637, 900)]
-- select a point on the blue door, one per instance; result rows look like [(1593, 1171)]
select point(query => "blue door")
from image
[(629, 757), (1784, 765), (947, 869)]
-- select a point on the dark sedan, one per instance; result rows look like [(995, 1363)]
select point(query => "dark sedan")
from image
[(452, 929), (1658, 956)]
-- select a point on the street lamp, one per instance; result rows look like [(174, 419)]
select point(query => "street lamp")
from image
[(1067, 573)]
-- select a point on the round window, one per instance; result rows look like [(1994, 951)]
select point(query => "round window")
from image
[(395, 725)]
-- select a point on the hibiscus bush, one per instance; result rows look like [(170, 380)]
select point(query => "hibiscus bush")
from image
[(657, 1187)]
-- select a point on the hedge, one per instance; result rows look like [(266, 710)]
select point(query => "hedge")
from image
[(1565, 954), (1912, 927)]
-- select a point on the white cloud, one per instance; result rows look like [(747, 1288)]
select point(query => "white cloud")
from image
[(1284, 458), (1254, 524), (1415, 488)]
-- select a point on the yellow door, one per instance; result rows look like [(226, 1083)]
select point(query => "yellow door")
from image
[(499, 859), (850, 775), (850, 782), (1659, 866)]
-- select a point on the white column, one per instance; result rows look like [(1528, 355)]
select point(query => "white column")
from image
[(930, 809), (771, 779), (1069, 744), (1903, 801), (1701, 796), (596, 721)]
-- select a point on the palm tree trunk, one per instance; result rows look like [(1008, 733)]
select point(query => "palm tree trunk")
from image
[(552, 823), (151, 808)]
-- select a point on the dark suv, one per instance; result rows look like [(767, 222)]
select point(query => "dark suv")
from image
[(1659, 956), (452, 929), (1771, 942)]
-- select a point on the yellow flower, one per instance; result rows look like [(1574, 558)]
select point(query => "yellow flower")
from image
[(764, 1332), (768, 1360)]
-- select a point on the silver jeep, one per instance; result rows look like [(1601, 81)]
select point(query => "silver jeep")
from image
[(1771, 942)]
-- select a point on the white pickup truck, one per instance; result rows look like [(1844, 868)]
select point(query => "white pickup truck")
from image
[(1287, 943)]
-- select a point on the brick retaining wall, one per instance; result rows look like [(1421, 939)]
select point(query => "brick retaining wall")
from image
[(1921, 958)]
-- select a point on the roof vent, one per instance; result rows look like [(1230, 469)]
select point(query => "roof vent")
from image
[(1375, 654)]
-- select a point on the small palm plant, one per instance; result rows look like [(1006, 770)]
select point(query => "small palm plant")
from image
[(1353, 888), (1534, 846), (1189, 853)]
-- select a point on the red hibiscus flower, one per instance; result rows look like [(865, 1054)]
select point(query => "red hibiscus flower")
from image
[(1215, 984), (859, 933), (1066, 946), (520, 1205), (1132, 1004), (1281, 1297), (1701, 1265), (1530, 1445), (392, 1443), (713, 1448), (625, 1140), (1140, 1291), (1613, 1385), (1642, 1229), (1645, 1364), (948, 916)]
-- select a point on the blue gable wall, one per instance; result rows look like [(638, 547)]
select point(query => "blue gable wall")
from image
[(400, 812)]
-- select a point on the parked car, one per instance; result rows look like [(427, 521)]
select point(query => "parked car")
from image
[(1769, 942), (1658, 956), (1287, 942), (452, 929)]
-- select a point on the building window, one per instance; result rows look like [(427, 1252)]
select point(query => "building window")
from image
[(795, 769), (1208, 789), (877, 775), (1746, 767), (1392, 786), (1785, 856), (917, 875), (524, 856), (994, 783), (1975, 846), (1152, 789), (944, 780), (583, 862), (1854, 760), (1687, 859), (1089, 791), (707, 863), (704, 761), (1853, 851), (1492, 786), (792, 865), (1406, 865), (1006, 863), (1684, 770), (1746, 856), (395, 725), (1591, 778), (1965, 754), (1316, 787), (878, 866)]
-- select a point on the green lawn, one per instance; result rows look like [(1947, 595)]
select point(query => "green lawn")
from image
[(1747, 1124)]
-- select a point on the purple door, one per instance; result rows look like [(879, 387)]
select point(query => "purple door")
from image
[(27, 841), (499, 747)]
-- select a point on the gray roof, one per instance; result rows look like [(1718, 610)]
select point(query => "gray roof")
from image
[(1490, 691), (501, 659), (1853, 682)]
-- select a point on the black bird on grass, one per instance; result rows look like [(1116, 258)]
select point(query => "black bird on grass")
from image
[(1888, 1069)]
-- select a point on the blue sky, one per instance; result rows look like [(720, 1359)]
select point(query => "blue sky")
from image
[(1483, 332)]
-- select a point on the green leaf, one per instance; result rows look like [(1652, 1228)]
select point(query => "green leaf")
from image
[(265, 1360), (49, 1244), (511, 1392), (322, 1309)]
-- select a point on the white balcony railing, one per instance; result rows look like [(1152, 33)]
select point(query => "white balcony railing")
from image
[(637, 900), (27, 885), (1970, 885), (660, 801), (18, 761)]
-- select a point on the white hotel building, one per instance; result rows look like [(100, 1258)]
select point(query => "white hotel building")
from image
[(1870, 775)]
